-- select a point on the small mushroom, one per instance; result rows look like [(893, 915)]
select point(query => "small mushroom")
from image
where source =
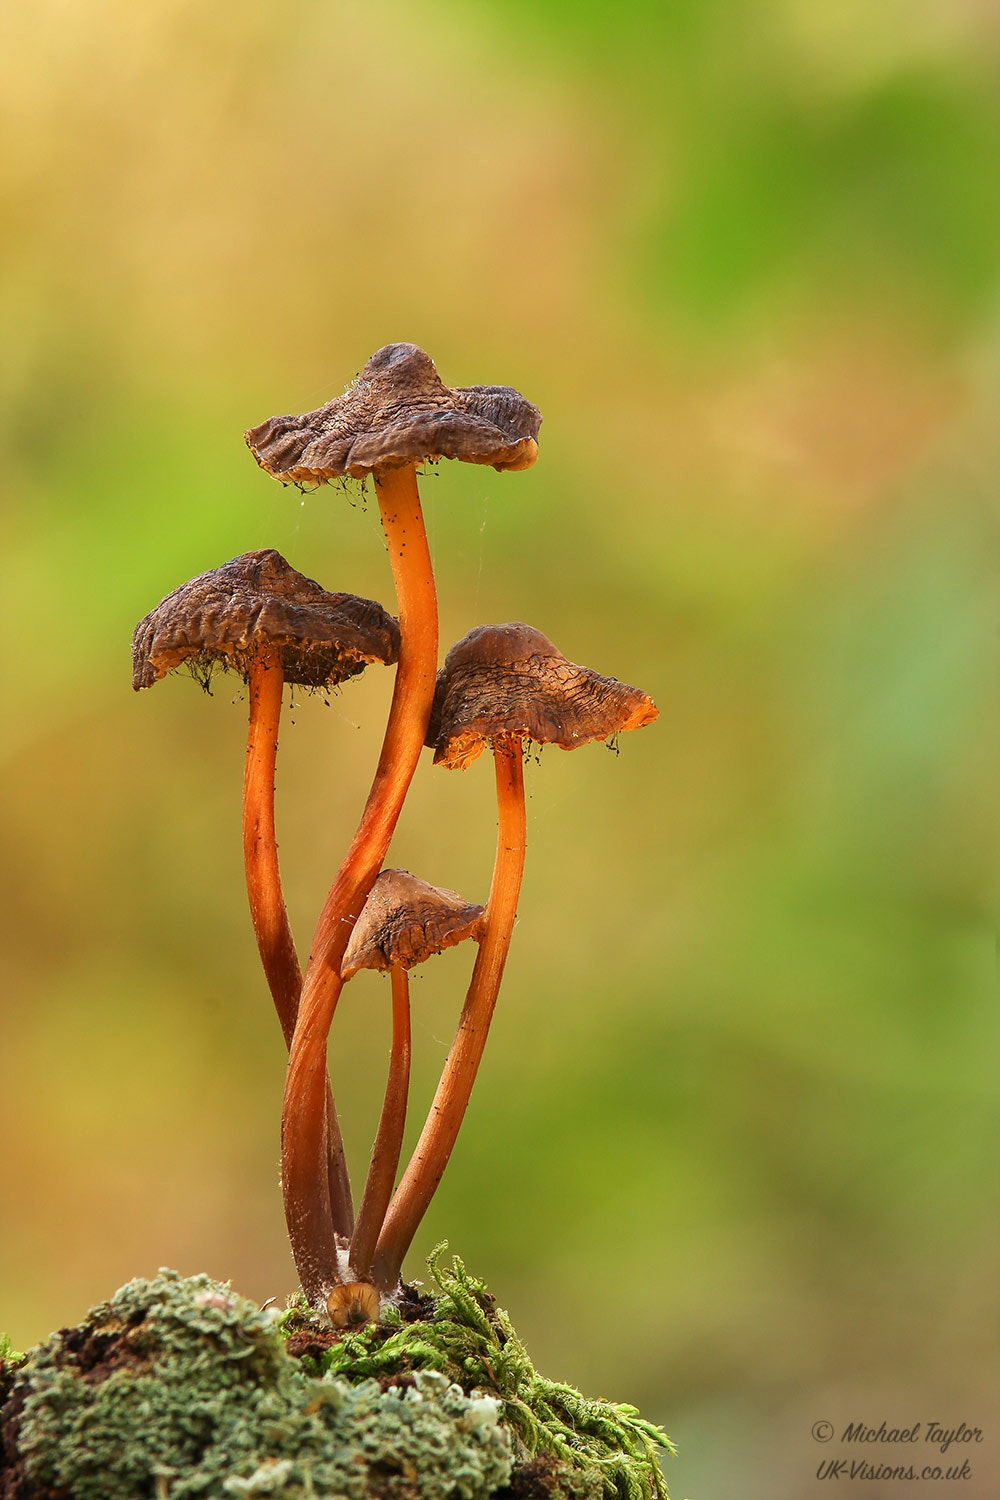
[(353, 1303), (258, 617), (396, 415), (500, 685), (404, 922)]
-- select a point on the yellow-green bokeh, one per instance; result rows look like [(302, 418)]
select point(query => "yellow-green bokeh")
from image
[(732, 1155)]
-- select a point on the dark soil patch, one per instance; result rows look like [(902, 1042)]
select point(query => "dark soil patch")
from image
[(14, 1482), (98, 1350), (396, 1383), (538, 1479)]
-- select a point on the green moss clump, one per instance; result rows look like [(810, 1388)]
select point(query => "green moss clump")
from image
[(599, 1448), (178, 1387), (8, 1354)]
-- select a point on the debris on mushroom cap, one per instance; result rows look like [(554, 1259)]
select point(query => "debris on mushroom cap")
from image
[(404, 921), (511, 680), (398, 411), (256, 603)]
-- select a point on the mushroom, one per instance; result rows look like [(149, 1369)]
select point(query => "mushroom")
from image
[(353, 1303), (396, 415), (258, 617), (500, 685), (403, 922)]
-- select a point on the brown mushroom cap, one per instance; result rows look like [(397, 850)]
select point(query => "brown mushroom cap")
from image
[(257, 603), (398, 411), (404, 921), (511, 680)]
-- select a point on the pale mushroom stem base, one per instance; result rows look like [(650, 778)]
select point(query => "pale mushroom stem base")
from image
[(431, 1154), (302, 1129), (275, 944), (389, 1139)]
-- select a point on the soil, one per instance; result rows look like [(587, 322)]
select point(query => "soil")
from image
[(538, 1479)]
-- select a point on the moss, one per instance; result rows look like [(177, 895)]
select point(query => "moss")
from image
[(600, 1448), (180, 1388)]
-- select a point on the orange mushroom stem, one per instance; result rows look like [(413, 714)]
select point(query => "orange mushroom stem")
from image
[(389, 1139), (260, 850), (302, 1125), (268, 913), (431, 1154)]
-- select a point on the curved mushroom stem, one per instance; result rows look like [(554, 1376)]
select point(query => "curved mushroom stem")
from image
[(260, 849), (430, 1156), (413, 693), (267, 902), (389, 1140)]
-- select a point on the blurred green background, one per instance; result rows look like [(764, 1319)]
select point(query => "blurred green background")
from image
[(733, 1152)]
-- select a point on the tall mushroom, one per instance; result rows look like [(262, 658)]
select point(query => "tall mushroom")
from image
[(258, 617), (396, 415), (500, 685)]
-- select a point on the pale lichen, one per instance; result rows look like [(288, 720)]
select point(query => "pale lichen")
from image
[(178, 1387)]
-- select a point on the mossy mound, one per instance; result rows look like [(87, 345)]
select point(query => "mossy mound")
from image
[(599, 1448), (179, 1388)]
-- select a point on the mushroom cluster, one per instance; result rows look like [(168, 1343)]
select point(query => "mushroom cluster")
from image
[(500, 687)]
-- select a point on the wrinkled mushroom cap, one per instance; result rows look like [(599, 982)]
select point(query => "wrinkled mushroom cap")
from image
[(404, 921), (398, 411), (258, 603), (510, 680)]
